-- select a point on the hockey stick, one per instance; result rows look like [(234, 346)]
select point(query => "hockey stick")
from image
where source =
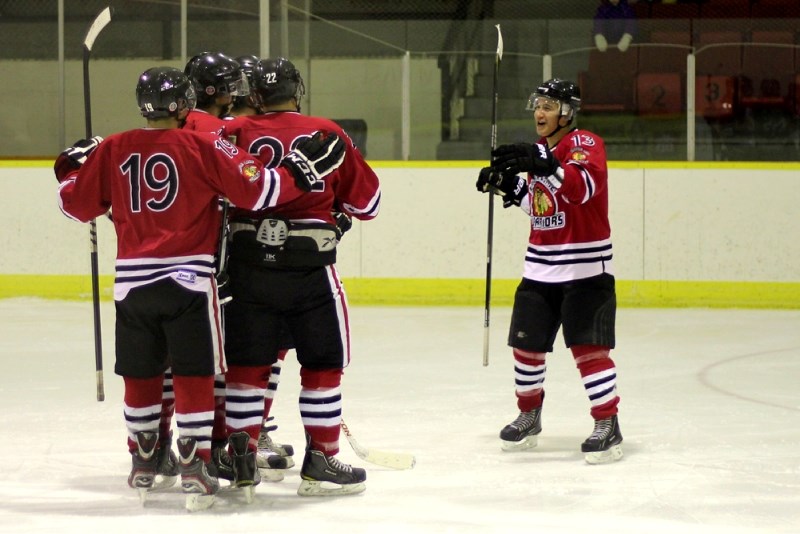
[(97, 26), (393, 460), (489, 239)]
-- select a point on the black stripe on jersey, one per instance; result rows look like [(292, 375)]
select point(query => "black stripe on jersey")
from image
[(570, 251), (592, 259), (163, 266), (273, 178)]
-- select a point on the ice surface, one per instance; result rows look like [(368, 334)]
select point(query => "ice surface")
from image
[(710, 413)]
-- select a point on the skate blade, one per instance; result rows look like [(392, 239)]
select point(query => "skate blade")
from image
[(249, 493), (271, 475), (314, 488), (196, 502), (604, 457), (143, 494), (522, 445)]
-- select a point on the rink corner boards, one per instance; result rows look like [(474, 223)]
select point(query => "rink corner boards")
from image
[(464, 292)]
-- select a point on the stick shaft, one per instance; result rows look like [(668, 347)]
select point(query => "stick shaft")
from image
[(490, 228), (96, 27)]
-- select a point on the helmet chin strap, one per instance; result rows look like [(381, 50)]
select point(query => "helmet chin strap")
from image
[(558, 127)]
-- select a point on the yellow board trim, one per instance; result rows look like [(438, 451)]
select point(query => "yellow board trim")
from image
[(465, 292)]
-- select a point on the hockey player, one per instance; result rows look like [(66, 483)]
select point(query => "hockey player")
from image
[(217, 80), (244, 105), (283, 275), (568, 277), (163, 183)]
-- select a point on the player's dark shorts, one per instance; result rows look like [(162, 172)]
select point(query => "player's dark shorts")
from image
[(308, 304), (162, 325), (586, 308)]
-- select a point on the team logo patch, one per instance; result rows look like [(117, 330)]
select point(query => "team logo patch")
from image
[(578, 155), (544, 209), (250, 170)]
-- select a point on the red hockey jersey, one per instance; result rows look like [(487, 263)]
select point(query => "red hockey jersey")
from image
[(570, 235), (202, 121), (353, 188), (163, 185)]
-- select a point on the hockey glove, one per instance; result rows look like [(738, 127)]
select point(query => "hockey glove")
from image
[(522, 157), (314, 158), (513, 188), (72, 158), (343, 222)]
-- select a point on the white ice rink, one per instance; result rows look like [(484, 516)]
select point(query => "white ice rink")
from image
[(710, 413)]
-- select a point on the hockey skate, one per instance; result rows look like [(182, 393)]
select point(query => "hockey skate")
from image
[(144, 463), (196, 482), (523, 432), (267, 448), (222, 460), (245, 472), (605, 443), (166, 465), (324, 476)]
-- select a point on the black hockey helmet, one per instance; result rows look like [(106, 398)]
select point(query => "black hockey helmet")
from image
[(164, 92), (277, 81), (565, 92), (247, 64), (214, 74)]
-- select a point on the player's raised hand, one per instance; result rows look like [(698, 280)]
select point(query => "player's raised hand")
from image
[(314, 158), (523, 157)]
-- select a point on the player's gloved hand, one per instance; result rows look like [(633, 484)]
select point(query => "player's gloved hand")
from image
[(513, 188), (523, 157), (343, 222), (72, 158), (314, 158)]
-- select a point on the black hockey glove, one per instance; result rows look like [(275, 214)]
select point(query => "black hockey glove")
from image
[(315, 158), (72, 158), (513, 188), (522, 157), (343, 222)]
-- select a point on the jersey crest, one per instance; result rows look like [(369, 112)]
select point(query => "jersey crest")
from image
[(545, 214)]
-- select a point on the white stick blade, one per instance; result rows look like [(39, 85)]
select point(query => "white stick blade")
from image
[(499, 42), (97, 26), (392, 460)]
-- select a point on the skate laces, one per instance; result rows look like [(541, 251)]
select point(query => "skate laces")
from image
[(339, 466), (524, 420), (602, 429)]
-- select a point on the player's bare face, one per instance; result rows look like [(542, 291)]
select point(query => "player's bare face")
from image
[(546, 113)]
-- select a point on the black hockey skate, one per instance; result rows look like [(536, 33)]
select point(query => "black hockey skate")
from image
[(323, 476), (523, 432), (167, 464), (144, 463), (196, 481), (605, 443), (222, 460), (245, 472)]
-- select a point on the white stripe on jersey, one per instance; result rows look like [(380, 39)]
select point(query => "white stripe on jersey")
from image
[(573, 261), (340, 300), (192, 272), (372, 208)]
